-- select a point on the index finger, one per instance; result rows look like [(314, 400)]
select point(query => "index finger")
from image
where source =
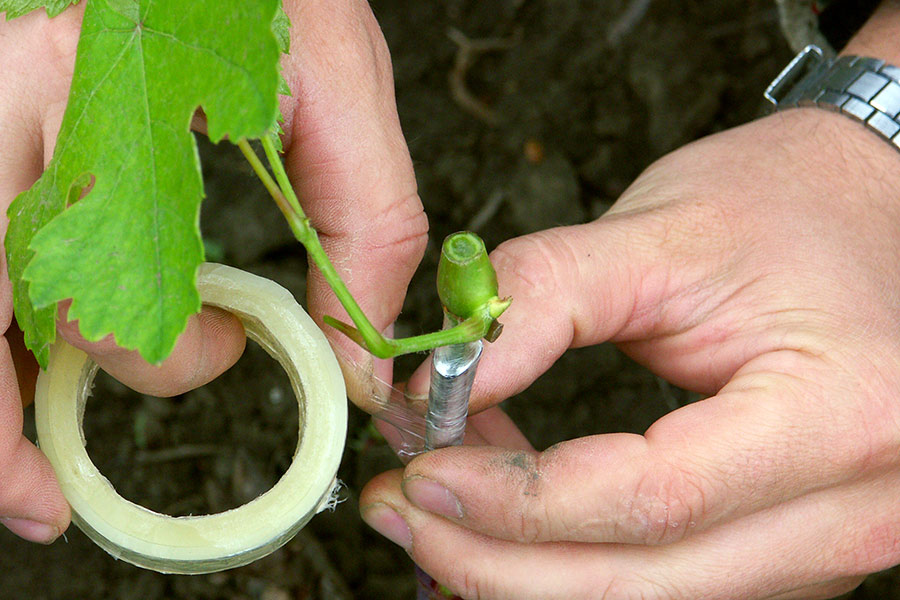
[(766, 438), (349, 163)]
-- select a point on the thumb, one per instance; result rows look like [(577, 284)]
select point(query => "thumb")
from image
[(350, 166), (688, 473), (570, 287), (34, 83)]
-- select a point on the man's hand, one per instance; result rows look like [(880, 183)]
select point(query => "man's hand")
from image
[(345, 154), (759, 266)]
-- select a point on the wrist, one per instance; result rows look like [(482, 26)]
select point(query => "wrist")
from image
[(850, 90), (880, 36), (869, 166)]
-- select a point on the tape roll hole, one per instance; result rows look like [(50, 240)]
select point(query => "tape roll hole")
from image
[(202, 452)]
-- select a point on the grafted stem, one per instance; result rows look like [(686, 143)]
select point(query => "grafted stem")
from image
[(475, 310)]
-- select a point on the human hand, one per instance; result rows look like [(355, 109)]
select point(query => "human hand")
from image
[(344, 152), (759, 266)]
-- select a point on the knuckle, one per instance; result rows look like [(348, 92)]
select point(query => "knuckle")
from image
[(620, 588), (877, 550), (531, 522), (469, 583), (397, 227), (402, 226), (61, 39), (541, 512), (665, 506), (533, 263), (529, 519), (677, 215), (693, 219)]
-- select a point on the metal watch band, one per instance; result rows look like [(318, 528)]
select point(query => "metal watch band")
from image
[(865, 89)]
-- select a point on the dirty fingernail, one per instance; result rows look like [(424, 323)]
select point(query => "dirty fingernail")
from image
[(385, 520), (33, 531), (432, 496)]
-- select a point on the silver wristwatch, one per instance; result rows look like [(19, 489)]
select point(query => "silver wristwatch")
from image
[(865, 89)]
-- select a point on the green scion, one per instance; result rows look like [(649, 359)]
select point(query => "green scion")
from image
[(466, 279), (476, 322)]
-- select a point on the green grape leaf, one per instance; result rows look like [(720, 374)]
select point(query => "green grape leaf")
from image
[(126, 250), (281, 27), (17, 8)]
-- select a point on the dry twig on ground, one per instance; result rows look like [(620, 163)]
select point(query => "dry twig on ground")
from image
[(468, 51)]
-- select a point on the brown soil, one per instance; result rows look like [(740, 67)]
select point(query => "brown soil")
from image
[(561, 115)]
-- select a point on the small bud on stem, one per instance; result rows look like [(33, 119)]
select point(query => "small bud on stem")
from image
[(466, 280)]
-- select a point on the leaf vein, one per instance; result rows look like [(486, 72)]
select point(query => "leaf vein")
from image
[(155, 195), (44, 207), (210, 51)]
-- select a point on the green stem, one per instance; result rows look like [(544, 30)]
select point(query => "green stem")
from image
[(306, 235), (267, 181), (268, 144), (364, 333), (473, 328)]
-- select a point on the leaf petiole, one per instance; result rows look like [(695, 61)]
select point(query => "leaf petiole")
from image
[(473, 328)]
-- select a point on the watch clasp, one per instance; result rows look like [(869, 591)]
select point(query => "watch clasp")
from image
[(796, 70)]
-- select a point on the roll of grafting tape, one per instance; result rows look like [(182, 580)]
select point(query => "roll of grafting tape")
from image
[(207, 543)]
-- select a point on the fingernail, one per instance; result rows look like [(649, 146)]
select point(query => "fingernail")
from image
[(432, 496), (32, 531), (385, 520)]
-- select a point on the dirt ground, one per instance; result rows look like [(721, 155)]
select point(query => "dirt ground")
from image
[(572, 100)]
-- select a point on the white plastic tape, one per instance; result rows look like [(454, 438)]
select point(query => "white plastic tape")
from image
[(207, 543)]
